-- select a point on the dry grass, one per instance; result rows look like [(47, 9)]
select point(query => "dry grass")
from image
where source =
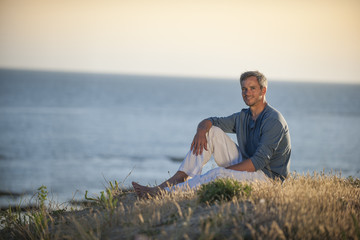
[(303, 207)]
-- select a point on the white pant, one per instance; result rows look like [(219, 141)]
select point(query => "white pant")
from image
[(225, 152)]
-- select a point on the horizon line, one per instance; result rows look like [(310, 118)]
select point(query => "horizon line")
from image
[(172, 76)]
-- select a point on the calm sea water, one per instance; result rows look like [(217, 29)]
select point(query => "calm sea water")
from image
[(74, 132)]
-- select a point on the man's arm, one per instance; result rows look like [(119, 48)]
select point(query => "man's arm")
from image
[(245, 165), (272, 134), (199, 142)]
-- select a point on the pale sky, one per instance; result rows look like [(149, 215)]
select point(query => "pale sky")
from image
[(307, 40)]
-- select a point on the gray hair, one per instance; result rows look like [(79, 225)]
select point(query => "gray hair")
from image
[(259, 76)]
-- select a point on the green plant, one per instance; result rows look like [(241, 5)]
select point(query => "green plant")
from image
[(222, 190), (40, 219), (106, 199), (114, 187), (42, 196), (29, 223)]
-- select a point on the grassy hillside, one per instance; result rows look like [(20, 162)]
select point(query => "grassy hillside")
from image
[(314, 206)]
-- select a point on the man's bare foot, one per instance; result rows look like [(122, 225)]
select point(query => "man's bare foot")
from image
[(145, 192)]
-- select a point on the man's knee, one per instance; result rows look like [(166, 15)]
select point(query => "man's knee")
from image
[(215, 131)]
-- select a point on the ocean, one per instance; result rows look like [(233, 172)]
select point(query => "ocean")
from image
[(74, 132)]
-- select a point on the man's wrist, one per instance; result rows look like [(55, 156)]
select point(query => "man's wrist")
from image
[(204, 126), (201, 131)]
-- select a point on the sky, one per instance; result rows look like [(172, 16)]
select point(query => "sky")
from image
[(304, 40)]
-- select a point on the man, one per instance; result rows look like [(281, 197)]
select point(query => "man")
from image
[(263, 136)]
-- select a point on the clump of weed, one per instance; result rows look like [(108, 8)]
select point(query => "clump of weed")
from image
[(29, 223), (42, 196), (222, 190), (353, 181), (106, 199)]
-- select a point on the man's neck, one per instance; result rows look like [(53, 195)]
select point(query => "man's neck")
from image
[(256, 110)]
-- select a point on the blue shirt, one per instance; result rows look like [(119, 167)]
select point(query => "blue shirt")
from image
[(265, 141)]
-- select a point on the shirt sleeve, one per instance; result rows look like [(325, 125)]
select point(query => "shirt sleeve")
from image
[(227, 124), (271, 135)]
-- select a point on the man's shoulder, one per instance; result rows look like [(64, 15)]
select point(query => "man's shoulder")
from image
[(244, 111), (271, 111), (273, 114)]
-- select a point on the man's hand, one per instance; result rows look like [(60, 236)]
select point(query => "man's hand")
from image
[(245, 165), (200, 142)]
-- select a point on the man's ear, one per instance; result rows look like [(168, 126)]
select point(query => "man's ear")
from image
[(263, 90)]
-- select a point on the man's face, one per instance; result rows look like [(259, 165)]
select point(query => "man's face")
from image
[(251, 91)]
